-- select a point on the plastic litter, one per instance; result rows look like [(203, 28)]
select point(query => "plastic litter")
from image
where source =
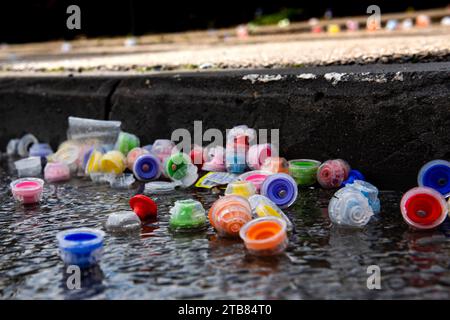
[(187, 216), (304, 171), (93, 163), (392, 25), (127, 142), (241, 188), (82, 246), (25, 143), (235, 161), (144, 207), (147, 167), (11, 148), (56, 172), (160, 187), (68, 153), (256, 177), (332, 173), (214, 159), (40, 150), (123, 222), (122, 181), (423, 208), (113, 162), (196, 155), (257, 154), (352, 176), (238, 141), (264, 207), (265, 236), (349, 208), (369, 191), (275, 165), (101, 132), (133, 155), (163, 148), (423, 21), (281, 188), (178, 167), (213, 179), (27, 190), (228, 214), (29, 167), (436, 175)]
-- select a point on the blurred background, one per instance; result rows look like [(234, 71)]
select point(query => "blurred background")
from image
[(42, 20)]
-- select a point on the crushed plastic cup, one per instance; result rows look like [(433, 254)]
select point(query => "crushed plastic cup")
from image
[(214, 159), (436, 175), (332, 173), (123, 222), (127, 142), (275, 165), (93, 163), (352, 176), (350, 208), (56, 172), (27, 190), (265, 236), (133, 155), (228, 214), (304, 171), (29, 167), (121, 181), (178, 167), (256, 177), (281, 188), (369, 191), (187, 216), (147, 167), (40, 150), (113, 162), (264, 207), (257, 154), (92, 130), (25, 143), (423, 208), (241, 188), (82, 247), (144, 207), (159, 187), (241, 134), (163, 148)]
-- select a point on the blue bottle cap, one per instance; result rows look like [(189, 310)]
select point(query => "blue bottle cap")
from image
[(352, 176), (40, 150), (436, 175), (281, 188), (147, 167)]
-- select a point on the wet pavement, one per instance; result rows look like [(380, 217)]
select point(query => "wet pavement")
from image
[(321, 262)]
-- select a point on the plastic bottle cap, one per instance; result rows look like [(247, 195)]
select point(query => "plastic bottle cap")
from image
[(266, 234), (81, 247), (423, 208), (241, 188), (304, 171), (113, 162), (281, 189), (229, 213), (126, 142), (27, 190), (352, 176), (187, 214), (349, 207), (144, 207), (133, 155), (40, 150), (147, 167), (332, 173), (93, 163), (436, 175), (256, 177), (56, 172)]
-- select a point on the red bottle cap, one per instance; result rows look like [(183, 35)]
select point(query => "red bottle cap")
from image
[(144, 207)]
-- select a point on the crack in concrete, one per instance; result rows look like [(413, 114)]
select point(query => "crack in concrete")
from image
[(108, 100)]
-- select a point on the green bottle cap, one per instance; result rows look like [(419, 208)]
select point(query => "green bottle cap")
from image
[(304, 171), (126, 142), (187, 215)]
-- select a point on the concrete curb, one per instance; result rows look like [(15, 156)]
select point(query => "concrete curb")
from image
[(386, 120)]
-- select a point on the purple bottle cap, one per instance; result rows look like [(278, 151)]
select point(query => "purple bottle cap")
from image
[(281, 188), (147, 167)]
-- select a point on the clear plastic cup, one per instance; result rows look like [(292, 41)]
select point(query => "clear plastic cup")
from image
[(265, 236), (101, 131), (256, 177), (264, 207), (304, 171), (123, 222), (29, 167), (241, 188), (187, 216)]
